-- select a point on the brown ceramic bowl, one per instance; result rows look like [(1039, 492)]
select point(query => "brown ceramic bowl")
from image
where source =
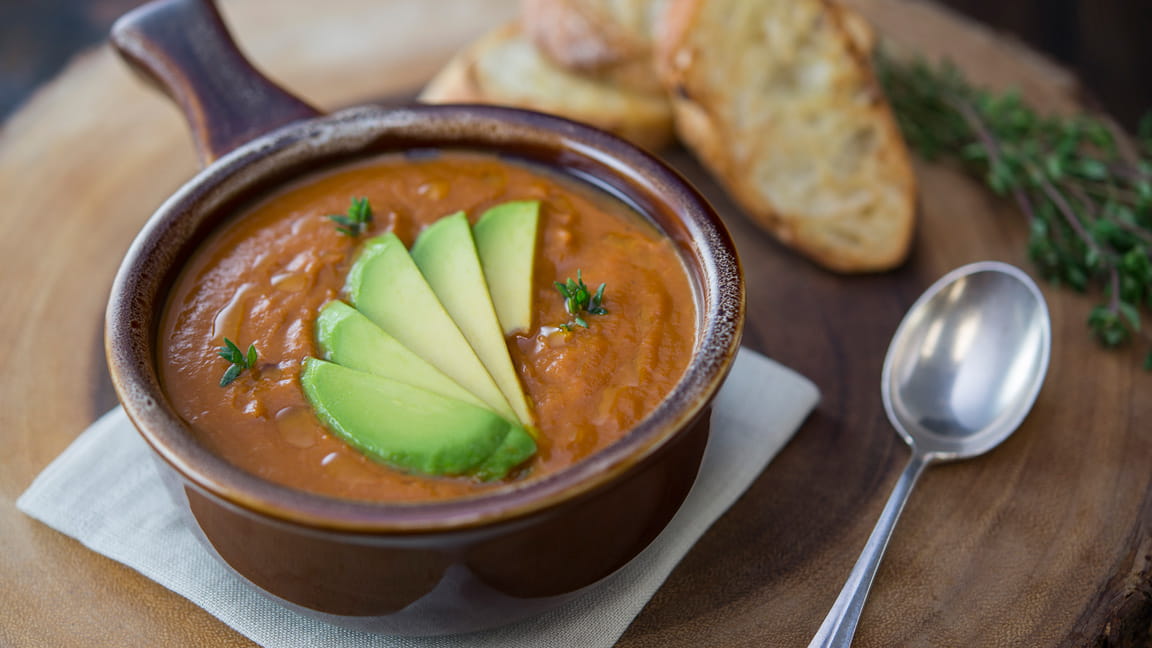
[(424, 568)]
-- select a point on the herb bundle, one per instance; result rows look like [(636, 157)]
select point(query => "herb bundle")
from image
[(577, 300), (1085, 188)]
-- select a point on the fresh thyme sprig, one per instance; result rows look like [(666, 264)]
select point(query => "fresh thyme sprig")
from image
[(356, 221), (1085, 188), (240, 360), (577, 300)]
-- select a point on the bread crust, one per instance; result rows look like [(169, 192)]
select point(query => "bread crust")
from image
[(823, 168), (504, 68), (575, 35), (588, 37)]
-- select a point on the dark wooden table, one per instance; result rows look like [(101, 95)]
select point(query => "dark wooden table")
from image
[(1045, 542)]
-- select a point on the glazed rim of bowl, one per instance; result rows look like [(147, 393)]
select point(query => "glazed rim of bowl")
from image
[(152, 262)]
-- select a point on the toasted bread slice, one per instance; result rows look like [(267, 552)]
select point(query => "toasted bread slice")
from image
[(504, 68), (608, 39), (778, 99), (857, 26)]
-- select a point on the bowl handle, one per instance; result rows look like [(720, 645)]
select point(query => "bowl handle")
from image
[(183, 47)]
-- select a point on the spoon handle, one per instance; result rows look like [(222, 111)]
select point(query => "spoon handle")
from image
[(840, 624)]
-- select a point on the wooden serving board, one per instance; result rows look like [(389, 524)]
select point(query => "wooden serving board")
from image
[(1045, 542)]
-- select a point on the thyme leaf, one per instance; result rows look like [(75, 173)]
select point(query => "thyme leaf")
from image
[(239, 360), (356, 221), (578, 300)]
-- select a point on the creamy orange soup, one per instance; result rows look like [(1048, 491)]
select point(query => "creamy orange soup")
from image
[(264, 276)]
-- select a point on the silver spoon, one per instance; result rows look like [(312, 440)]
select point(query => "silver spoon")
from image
[(961, 373)]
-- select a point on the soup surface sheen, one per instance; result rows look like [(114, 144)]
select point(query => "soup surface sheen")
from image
[(263, 277)]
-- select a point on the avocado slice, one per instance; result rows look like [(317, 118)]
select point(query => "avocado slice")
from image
[(517, 446), (410, 428), (506, 241), (446, 254), (351, 340), (386, 286)]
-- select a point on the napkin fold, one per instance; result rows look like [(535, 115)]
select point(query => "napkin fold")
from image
[(104, 490)]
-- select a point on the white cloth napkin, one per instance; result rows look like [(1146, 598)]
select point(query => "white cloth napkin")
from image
[(104, 491)]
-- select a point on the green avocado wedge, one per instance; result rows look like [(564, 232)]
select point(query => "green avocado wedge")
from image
[(351, 340), (517, 447), (386, 286), (446, 254), (410, 428), (506, 242)]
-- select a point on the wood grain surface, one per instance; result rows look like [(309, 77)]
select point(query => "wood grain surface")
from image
[(1045, 542)]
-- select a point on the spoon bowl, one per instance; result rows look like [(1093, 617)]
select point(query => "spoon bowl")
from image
[(967, 362), (963, 370)]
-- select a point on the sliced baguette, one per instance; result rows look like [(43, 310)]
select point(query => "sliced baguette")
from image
[(504, 68), (777, 98), (608, 39)]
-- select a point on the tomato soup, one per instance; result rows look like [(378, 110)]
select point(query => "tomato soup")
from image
[(265, 275)]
